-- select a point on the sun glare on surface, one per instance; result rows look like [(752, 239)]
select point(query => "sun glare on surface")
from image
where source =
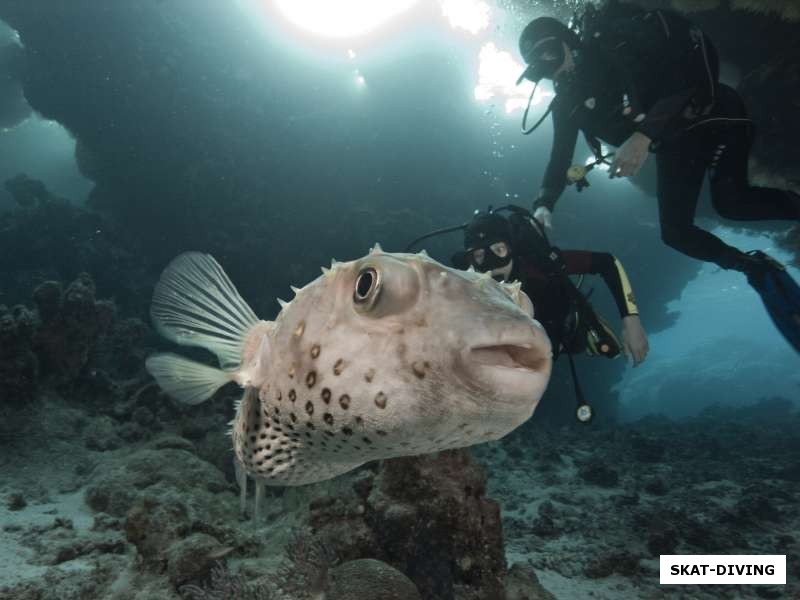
[(470, 15), (342, 18), (497, 74)]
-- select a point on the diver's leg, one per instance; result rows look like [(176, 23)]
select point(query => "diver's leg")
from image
[(731, 193), (680, 178)]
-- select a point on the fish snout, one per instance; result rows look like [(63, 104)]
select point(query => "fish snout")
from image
[(513, 364)]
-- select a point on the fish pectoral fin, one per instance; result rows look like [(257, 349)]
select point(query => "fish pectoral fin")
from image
[(186, 380), (195, 304)]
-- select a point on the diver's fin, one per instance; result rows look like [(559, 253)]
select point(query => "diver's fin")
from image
[(195, 304), (781, 296), (186, 380)]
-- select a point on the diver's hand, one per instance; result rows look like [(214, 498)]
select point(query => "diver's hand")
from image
[(544, 216), (634, 339), (630, 157)]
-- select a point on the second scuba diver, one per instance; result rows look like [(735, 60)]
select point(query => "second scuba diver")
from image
[(648, 81), (515, 249)]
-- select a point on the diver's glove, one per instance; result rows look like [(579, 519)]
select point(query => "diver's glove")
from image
[(544, 216)]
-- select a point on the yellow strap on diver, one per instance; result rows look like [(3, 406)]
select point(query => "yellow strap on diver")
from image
[(627, 290)]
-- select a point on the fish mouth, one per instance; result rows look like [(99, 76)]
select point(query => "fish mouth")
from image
[(517, 357), (514, 372)]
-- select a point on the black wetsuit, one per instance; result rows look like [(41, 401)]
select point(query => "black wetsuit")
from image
[(550, 297), (662, 81)]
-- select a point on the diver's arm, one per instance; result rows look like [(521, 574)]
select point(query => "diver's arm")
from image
[(579, 262), (634, 338), (565, 136)]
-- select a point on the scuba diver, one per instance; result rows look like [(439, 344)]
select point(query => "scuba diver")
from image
[(516, 248), (647, 81)]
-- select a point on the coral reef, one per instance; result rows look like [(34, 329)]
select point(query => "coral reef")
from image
[(28, 192), (51, 239), (721, 483), (71, 321), (18, 364)]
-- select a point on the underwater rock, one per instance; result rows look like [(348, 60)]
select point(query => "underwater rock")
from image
[(598, 473), (523, 584), (72, 322), (191, 558), (13, 107), (368, 579), (18, 364), (16, 501), (28, 192), (607, 563), (450, 542), (663, 542), (118, 483), (769, 91)]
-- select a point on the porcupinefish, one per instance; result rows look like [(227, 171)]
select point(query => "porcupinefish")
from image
[(389, 355)]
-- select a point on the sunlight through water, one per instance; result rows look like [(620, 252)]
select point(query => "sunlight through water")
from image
[(344, 18)]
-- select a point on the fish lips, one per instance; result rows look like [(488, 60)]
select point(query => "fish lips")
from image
[(516, 369)]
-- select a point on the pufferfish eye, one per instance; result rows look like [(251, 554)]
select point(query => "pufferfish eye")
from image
[(367, 286)]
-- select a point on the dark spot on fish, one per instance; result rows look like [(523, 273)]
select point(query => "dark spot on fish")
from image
[(278, 450), (252, 439), (326, 395), (293, 417), (263, 436), (338, 367), (310, 425), (369, 375), (276, 410), (420, 368), (367, 440), (344, 401), (380, 400), (329, 433), (328, 418), (356, 447), (347, 431), (279, 396), (359, 421), (310, 407), (381, 432), (315, 351), (292, 395), (273, 437), (311, 379)]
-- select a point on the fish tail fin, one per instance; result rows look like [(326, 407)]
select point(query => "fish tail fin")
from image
[(186, 380), (195, 304)]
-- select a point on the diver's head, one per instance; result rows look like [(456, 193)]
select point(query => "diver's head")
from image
[(487, 245), (546, 46)]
